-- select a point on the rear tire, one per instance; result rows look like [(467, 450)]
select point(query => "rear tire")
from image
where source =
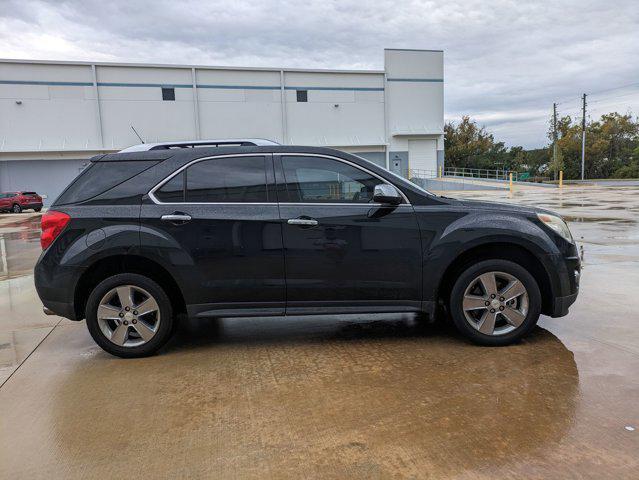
[(16, 208), (37, 210), (482, 308), (118, 327)]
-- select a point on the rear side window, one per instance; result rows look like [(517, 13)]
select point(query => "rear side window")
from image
[(29, 193), (219, 180), (100, 177)]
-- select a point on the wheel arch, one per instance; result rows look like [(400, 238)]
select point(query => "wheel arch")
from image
[(115, 264), (503, 251)]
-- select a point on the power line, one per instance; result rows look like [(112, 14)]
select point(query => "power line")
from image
[(629, 94), (596, 92)]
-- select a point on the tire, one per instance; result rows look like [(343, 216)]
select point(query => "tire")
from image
[(16, 208), (105, 314), (37, 210), (512, 319)]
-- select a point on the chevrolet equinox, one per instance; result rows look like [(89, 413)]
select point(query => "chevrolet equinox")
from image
[(249, 227)]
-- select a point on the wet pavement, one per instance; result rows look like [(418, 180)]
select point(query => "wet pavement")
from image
[(369, 396)]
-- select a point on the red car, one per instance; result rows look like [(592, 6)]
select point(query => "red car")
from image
[(17, 201)]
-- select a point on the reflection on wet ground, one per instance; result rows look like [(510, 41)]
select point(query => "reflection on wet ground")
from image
[(373, 396)]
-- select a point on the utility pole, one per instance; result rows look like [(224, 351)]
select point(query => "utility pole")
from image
[(554, 137), (583, 136)]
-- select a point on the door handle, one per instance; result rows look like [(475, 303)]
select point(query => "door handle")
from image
[(176, 218), (306, 222)]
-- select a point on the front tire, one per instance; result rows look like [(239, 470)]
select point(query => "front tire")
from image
[(129, 315), (16, 208), (495, 302), (37, 210)]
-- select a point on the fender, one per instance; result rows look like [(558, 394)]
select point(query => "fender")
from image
[(475, 229)]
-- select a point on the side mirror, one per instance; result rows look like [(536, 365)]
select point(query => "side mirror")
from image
[(386, 193)]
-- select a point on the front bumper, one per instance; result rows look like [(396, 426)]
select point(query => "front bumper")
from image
[(561, 304)]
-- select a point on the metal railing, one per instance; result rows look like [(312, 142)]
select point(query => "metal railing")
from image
[(479, 173), (461, 174)]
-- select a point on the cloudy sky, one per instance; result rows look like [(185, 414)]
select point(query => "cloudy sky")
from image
[(505, 61)]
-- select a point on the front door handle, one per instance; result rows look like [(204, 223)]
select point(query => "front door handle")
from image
[(176, 218), (305, 222)]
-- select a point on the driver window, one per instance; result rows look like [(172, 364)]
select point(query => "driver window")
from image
[(324, 180)]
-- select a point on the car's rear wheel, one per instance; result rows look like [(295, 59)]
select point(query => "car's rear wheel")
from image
[(129, 315), (495, 302), (37, 209), (16, 208)]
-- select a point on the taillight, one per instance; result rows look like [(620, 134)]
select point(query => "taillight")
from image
[(52, 224)]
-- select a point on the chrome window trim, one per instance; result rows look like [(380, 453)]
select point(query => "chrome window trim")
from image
[(155, 200)]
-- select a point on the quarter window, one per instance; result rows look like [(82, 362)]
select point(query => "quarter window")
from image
[(302, 95), (324, 180), (173, 190), (219, 180)]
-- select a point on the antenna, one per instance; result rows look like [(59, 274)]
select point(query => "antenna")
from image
[(136, 132)]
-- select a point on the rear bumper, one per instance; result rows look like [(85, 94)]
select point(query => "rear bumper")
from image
[(32, 205), (61, 309), (56, 286)]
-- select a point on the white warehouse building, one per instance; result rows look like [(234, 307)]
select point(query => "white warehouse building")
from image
[(55, 115)]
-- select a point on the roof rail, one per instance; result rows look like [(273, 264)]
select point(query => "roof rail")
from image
[(240, 142)]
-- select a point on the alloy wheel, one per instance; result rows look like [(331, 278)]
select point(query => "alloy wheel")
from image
[(128, 316), (495, 303)]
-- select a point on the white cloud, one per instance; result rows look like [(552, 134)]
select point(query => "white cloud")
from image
[(506, 61)]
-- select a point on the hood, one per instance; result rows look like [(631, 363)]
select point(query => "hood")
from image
[(504, 207)]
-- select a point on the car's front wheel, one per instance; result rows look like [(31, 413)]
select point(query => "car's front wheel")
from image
[(129, 315), (16, 208), (495, 302)]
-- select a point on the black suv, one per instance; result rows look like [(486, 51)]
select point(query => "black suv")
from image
[(253, 228)]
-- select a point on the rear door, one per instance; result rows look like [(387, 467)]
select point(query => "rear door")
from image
[(343, 252), (215, 224)]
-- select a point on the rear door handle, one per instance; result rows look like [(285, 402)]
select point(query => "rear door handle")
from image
[(306, 222), (176, 218)]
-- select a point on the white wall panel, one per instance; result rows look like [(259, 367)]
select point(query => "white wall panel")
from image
[(240, 119), (237, 77), (323, 124), (44, 71), (48, 124), (155, 121), (149, 75)]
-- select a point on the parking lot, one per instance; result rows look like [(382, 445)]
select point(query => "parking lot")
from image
[(369, 396)]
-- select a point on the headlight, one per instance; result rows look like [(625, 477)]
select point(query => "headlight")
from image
[(557, 224)]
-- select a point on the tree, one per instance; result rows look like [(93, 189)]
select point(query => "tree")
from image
[(471, 146), (610, 142), (612, 149)]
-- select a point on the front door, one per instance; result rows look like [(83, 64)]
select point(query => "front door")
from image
[(215, 224), (343, 252)]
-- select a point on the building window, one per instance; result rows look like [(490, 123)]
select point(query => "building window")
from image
[(302, 95), (168, 93)]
